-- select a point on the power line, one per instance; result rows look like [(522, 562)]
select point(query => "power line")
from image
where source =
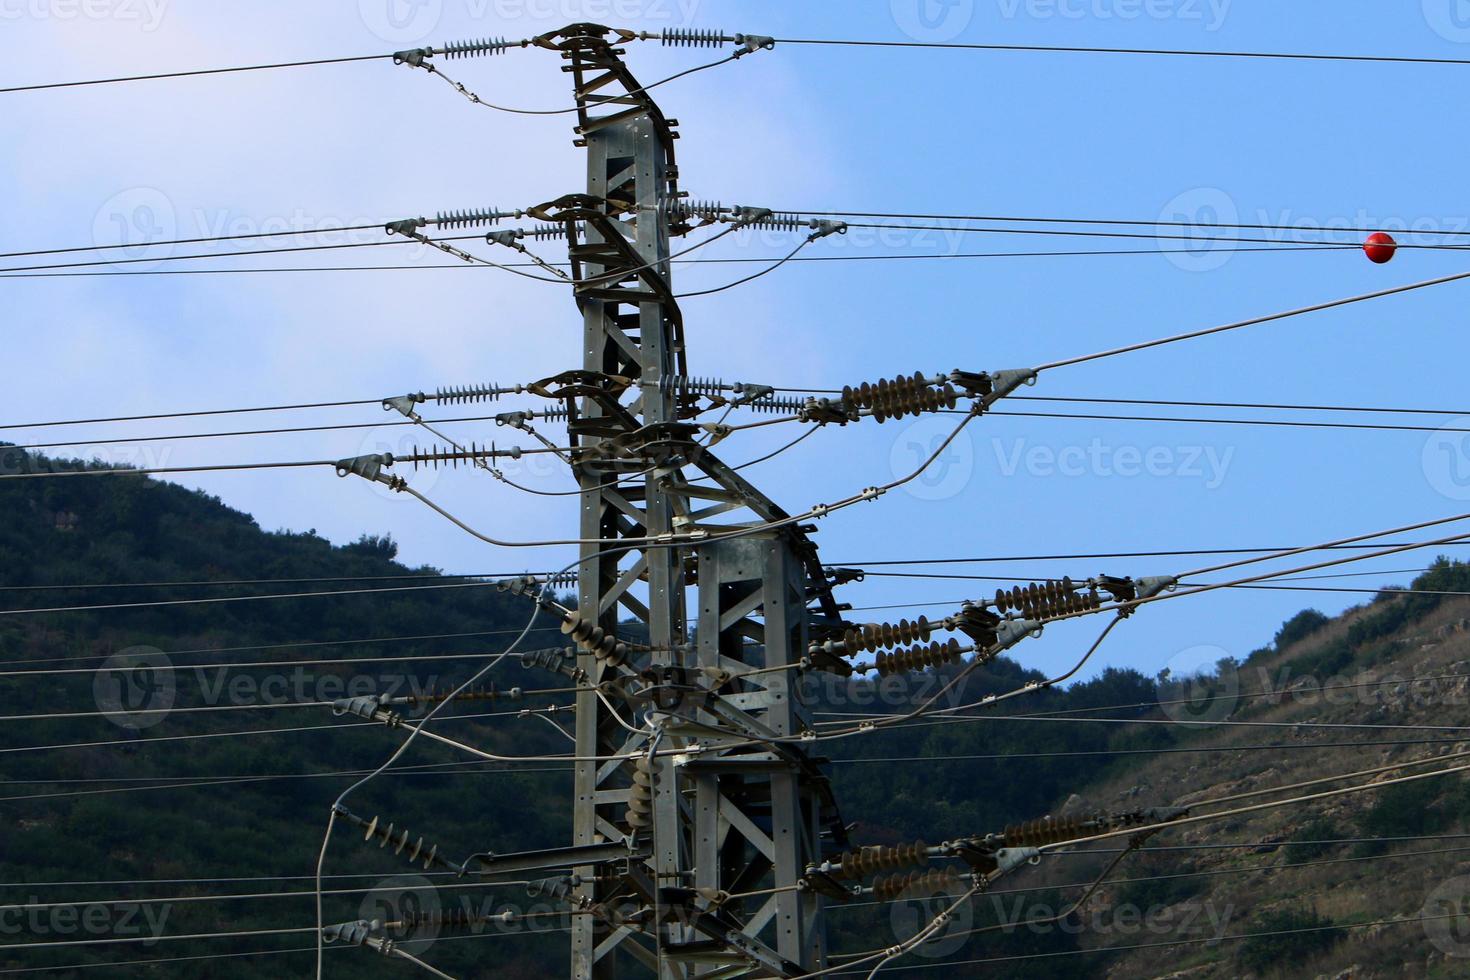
[(1263, 423), (1073, 416), (970, 560), (1272, 245), (1171, 750), (214, 783), (192, 414), (211, 600), (703, 261), (1206, 940), (1252, 321), (1172, 52), (1032, 219), (1151, 222), (292, 644), (445, 576), (1156, 236), (173, 437), (1261, 405), (292, 233), (152, 961), (468, 768), (196, 736), (153, 470), (1224, 723), (1051, 415), (334, 662), (193, 73)]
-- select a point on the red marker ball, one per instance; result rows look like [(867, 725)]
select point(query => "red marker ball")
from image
[(1379, 247)]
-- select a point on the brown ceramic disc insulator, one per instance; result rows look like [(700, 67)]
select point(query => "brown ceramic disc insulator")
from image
[(917, 657), (915, 883), (869, 860), (1047, 830)]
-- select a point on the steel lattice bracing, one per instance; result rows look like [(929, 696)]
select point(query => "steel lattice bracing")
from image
[(743, 820)]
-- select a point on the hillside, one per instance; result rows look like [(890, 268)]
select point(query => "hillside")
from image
[(1320, 874), (111, 812)]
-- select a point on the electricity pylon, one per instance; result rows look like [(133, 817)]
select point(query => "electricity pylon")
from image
[(746, 814)]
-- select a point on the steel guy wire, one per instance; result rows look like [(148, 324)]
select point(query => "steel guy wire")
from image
[(1253, 321)]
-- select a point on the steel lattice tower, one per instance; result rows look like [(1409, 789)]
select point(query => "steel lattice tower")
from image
[(753, 815)]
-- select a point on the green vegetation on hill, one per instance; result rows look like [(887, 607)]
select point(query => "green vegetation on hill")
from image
[(94, 824)]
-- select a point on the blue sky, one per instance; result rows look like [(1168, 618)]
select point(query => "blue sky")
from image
[(799, 127)]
